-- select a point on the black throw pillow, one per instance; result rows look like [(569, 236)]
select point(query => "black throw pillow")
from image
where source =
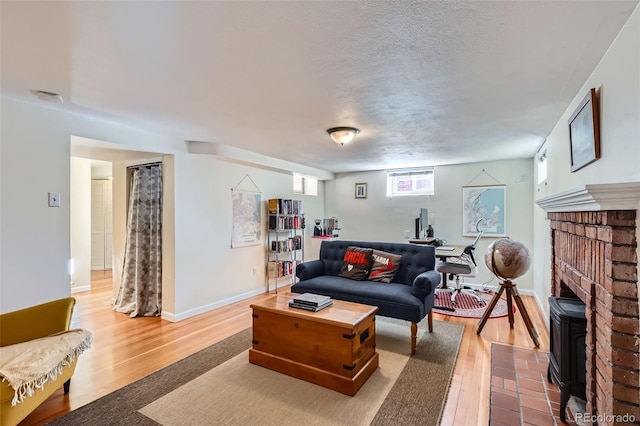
[(356, 263)]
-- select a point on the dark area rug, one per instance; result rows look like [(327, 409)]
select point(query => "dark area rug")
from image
[(417, 398)]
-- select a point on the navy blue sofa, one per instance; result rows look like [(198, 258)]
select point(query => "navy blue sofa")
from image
[(409, 296)]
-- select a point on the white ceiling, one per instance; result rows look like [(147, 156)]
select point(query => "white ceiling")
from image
[(427, 83)]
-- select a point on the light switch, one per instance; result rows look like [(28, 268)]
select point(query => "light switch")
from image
[(54, 199)]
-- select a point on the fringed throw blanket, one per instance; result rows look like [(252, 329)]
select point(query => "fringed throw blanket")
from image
[(29, 365)]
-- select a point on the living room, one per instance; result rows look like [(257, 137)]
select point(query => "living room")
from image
[(202, 272)]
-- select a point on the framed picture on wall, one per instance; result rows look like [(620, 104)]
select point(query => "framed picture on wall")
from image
[(361, 190), (584, 133), (484, 206), (246, 214)]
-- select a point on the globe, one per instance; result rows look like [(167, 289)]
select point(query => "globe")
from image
[(508, 259)]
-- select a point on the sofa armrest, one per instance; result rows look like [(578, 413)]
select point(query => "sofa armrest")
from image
[(36, 321), (310, 269), (425, 284)]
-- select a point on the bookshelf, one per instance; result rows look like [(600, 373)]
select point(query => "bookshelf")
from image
[(285, 241)]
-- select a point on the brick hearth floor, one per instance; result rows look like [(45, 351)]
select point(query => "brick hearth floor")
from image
[(520, 393)]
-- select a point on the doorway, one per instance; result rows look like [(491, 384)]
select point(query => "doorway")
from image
[(101, 224)]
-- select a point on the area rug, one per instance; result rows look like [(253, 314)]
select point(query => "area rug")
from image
[(467, 306), (218, 386)]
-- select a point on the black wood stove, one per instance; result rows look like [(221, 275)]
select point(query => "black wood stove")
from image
[(567, 365)]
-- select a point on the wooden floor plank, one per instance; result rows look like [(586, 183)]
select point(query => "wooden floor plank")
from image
[(126, 349)]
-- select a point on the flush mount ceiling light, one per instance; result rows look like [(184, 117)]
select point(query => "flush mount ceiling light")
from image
[(342, 135), (47, 96)]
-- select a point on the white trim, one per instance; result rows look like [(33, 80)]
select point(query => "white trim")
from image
[(169, 316), (599, 197), (539, 303), (78, 289)]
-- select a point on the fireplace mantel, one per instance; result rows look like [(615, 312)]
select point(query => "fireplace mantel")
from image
[(596, 197)]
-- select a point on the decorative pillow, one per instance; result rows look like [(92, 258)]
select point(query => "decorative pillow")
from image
[(356, 263), (385, 266)]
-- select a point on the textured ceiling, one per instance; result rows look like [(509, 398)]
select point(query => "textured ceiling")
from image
[(427, 83)]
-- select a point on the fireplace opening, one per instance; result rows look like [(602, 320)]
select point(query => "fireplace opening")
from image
[(567, 358)]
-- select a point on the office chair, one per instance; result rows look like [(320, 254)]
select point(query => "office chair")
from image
[(464, 266)]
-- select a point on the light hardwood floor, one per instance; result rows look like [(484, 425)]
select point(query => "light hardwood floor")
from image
[(125, 350)]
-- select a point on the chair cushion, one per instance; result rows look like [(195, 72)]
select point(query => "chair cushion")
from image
[(453, 268)]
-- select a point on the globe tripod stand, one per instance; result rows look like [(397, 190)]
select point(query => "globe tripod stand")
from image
[(512, 294)]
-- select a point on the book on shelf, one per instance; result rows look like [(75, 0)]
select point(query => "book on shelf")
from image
[(311, 308), (281, 268), (311, 299), (285, 207)]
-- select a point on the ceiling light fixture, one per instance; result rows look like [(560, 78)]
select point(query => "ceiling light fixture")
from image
[(47, 96), (342, 135)]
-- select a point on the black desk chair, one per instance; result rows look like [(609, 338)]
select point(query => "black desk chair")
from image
[(463, 266)]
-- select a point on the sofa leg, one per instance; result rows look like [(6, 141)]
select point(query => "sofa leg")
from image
[(414, 334), (430, 321), (66, 386)]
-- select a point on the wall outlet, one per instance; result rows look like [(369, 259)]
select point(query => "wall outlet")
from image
[(254, 272), (54, 199), (407, 233)]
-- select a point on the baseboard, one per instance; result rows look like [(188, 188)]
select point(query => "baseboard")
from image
[(539, 302), (80, 288), (170, 316)]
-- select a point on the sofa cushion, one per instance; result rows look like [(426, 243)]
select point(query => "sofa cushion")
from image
[(385, 266), (356, 263), (393, 300), (416, 258)]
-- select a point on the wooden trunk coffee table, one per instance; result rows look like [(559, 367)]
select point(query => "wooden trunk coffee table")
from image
[(334, 348)]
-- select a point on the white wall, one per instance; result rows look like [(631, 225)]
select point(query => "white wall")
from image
[(203, 230), (80, 221), (101, 169), (617, 81), (382, 218), (34, 238), (35, 249)]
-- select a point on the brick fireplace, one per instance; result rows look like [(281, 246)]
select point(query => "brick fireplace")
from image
[(594, 257)]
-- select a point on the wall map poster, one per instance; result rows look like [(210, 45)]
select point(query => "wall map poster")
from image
[(246, 229), (484, 202)]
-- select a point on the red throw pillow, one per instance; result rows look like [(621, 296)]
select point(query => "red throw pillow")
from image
[(356, 263), (385, 266)]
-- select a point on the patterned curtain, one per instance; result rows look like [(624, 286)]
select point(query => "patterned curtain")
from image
[(141, 288)]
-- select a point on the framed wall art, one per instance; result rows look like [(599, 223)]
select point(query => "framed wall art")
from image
[(246, 227), (584, 133), (361, 190), (484, 206)]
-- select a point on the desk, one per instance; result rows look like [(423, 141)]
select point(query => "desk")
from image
[(442, 255), (429, 240)]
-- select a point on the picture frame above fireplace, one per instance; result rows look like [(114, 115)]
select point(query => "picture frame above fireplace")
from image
[(584, 132)]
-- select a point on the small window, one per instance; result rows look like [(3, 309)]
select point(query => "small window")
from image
[(298, 184), (416, 181), (307, 185)]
